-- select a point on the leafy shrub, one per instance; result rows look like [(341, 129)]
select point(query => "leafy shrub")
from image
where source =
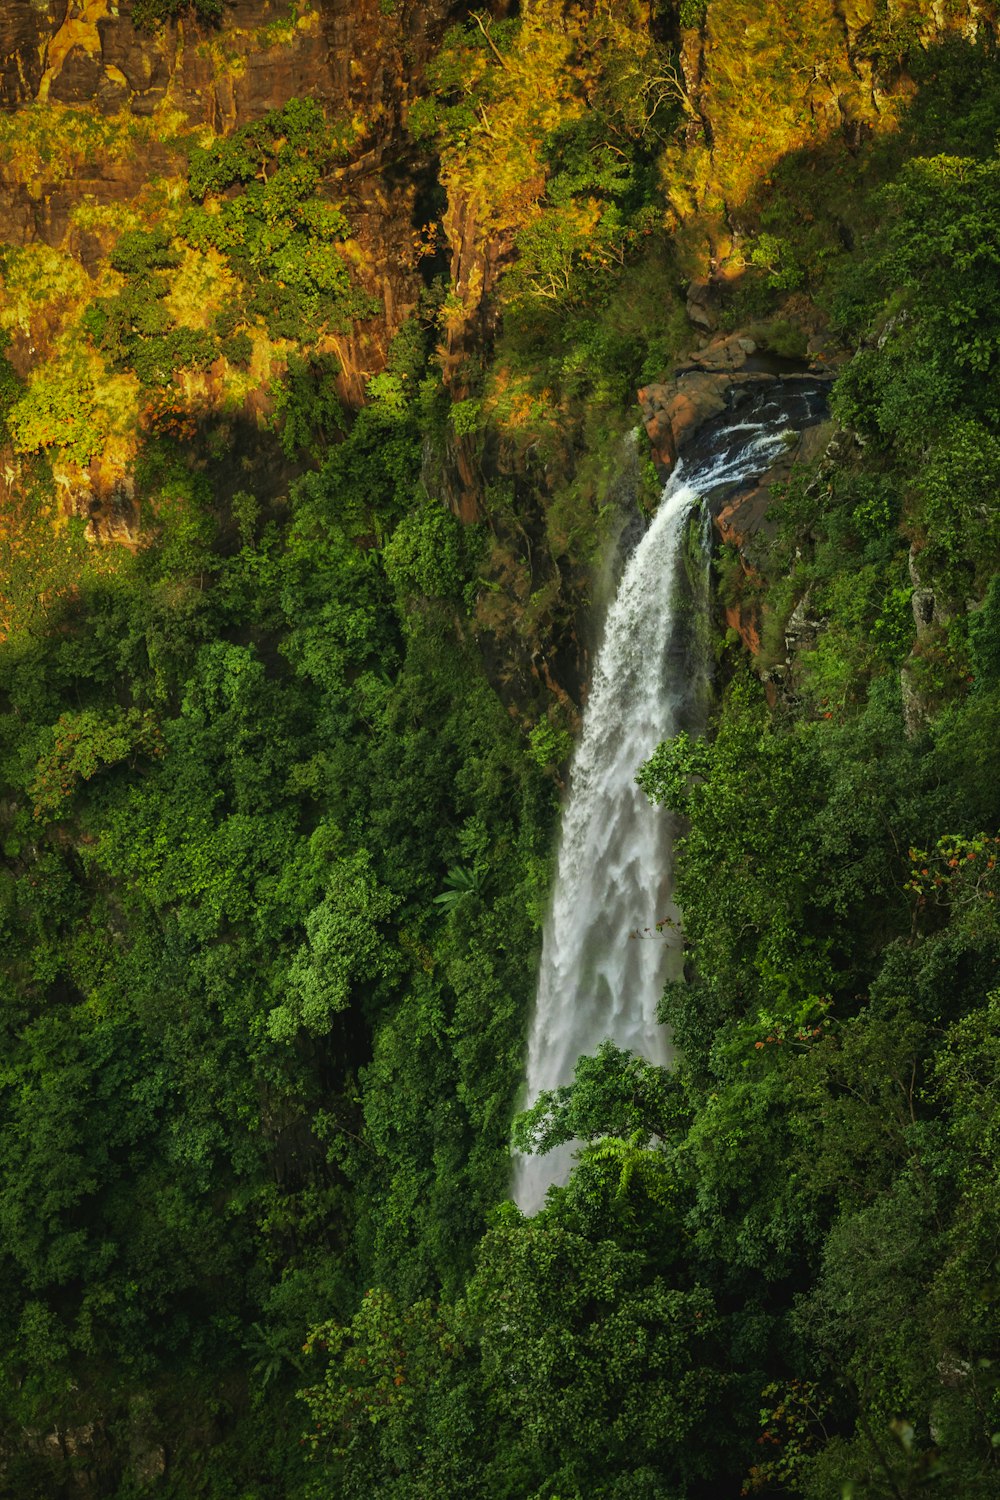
[(692, 12), (10, 386), (82, 744), (277, 233), (775, 257), (138, 251), (148, 14), (238, 348), (423, 556), (549, 745), (58, 409), (134, 329), (307, 409), (157, 360)]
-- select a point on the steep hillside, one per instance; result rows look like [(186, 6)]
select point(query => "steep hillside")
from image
[(344, 349)]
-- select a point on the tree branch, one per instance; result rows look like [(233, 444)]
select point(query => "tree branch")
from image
[(489, 40)]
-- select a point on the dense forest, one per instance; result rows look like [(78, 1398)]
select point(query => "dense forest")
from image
[(321, 332)]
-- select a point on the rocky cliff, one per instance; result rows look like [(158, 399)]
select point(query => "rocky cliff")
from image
[(97, 118)]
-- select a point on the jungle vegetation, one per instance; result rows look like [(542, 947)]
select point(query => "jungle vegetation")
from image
[(277, 818)]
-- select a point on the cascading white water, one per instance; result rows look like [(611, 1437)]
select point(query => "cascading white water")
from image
[(611, 939)]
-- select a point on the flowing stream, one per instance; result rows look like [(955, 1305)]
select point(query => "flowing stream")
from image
[(611, 939)]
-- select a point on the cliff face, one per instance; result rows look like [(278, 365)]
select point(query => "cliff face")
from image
[(348, 54), (361, 65), (97, 116)]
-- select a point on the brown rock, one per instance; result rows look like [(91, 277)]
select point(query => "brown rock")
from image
[(696, 397), (672, 412), (25, 29), (661, 440), (724, 354), (79, 78), (745, 515), (825, 352), (745, 621), (699, 306)]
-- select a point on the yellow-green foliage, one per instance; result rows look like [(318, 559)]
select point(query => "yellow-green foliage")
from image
[(227, 61), (37, 280), (227, 51), (44, 144), (74, 405), (519, 408), (200, 287), (512, 99), (114, 218), (776, 79), (159, 201), (521, 82), (284, 30)]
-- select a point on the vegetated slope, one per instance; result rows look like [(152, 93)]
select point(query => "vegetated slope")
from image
[(280, 770)]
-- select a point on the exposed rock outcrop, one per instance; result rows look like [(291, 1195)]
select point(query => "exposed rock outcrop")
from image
[(744, 516), (727, 371), (362, 64), (674, 410), (348, 54)]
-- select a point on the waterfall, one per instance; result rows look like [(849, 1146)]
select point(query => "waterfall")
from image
[(611, 939)]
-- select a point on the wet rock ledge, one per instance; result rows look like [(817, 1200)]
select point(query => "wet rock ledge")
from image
[(729, 373)]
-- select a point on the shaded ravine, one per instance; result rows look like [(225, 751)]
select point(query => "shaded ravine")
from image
[(611, 939)]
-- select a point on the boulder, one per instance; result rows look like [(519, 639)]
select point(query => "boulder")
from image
[(725, 354), (699, 305), (697, 396), (79, 79), (673, 411)]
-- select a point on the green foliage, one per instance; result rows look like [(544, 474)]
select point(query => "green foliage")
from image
[(598, 209), (61, 405), (614, 1093), (550, 746), (984, 640), (957, 104), (775, 257), (281, 237), (278, 232), (343, 946), (277, 843), (10, 387), (82, 744), (750, 923), (237, 348), (140, 251), (957, 513), (390, 1408), (553, 1294), (425, 556), (793, 1426), (890, 39), (475, 1396), (307, 409), (149, 14), (940, 335), (133, 329), (221, 942)]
